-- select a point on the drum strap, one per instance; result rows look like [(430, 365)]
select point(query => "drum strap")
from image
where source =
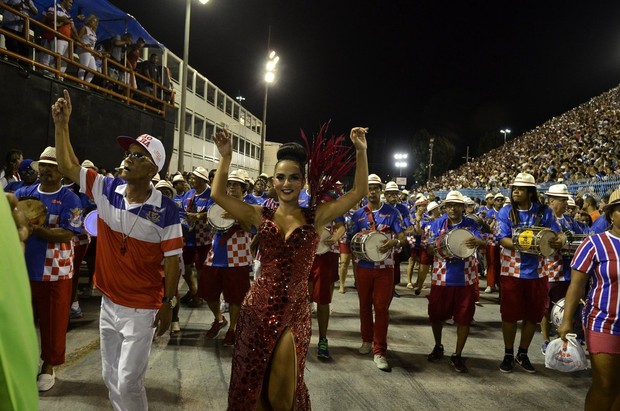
[(371, 218), (229, 233)]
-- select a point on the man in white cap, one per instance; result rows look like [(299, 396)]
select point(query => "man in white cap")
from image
[(489, 200), (425, 213), (227, 268), (493, 255), (49, 259), (392, 197), (139, 242), (558, 265), (180, 188), (523, 279), (198, 235), (453, 287), (375, 280)]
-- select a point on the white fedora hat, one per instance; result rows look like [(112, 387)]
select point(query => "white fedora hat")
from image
[(558, 190), (524, 180), (454, 197), (390, 186), (375, 179), (48, 156), (201, 172), (431, 206)]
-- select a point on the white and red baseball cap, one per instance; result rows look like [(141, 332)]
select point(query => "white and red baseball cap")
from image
[(150, 144)]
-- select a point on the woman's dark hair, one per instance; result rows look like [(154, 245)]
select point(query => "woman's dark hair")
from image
[(293, 152)]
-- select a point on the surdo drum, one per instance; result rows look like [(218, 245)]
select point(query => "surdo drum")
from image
[(365, 245), (452, 244), (533, 240), (90, 223), (216, 219)]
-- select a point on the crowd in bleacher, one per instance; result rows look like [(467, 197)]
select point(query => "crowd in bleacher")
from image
[(580, 145)]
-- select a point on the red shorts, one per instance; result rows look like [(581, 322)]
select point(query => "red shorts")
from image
[(234, 282), (523, 299), (323, 274), (421, 254), (602, 343), (452, 302), (557, 291), (196, 255)]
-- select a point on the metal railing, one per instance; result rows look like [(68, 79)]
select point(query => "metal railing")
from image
[(114, 86)]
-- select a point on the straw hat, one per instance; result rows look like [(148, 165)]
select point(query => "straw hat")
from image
[(89, 164), (48, 156), (524, 180), (614, 199), (177, 178), (237, 176), (489, 195), (558, 190), (390, 187), (201, 172), (454, 197), (164, 184), (498, 195), (375, 179), (431, 206), (405, 192), (421, 200), (571, 202)]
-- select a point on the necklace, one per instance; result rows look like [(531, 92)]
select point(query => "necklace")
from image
[(125, 236)]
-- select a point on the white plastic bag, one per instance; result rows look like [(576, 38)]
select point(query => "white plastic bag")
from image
[(566, 356)]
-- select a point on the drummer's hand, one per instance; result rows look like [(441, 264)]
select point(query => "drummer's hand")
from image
[(557, 242), (358, 137), (223, 142), (225, 215), (61, 109), (330, 241), (388, 245)]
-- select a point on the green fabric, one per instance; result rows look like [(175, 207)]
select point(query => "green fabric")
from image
[(19, 349)]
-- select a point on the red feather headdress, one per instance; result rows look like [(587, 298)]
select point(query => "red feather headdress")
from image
[(329, 161)]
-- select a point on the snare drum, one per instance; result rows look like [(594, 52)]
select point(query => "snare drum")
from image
[(452, 244), (90, 223), (572, 244), (323, 248), (214, 216), (365, 246), (533, 240), (33, 209)]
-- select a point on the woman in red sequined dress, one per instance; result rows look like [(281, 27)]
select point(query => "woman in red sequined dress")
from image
[(273, 332)]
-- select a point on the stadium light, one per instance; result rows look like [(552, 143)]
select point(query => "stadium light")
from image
[(505, 131), (400, 164), (270, 76), (181, 152)]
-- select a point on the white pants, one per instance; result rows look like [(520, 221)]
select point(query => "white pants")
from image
[(87, 59), (62, 49), (126, 338)]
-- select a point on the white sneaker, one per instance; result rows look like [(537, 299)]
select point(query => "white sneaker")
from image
[(381, 362), (365, 348), (46, 381), (410, 286), (175, 327), (488, 290)]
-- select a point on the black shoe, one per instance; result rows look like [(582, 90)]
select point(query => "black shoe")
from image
[(395, 294), (458, 363), (524, 361), (436, 354), (508, 364)]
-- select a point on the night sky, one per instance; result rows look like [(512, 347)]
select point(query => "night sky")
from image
[(460, 69)]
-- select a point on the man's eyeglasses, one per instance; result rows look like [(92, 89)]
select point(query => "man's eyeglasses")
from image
[(137, 156)]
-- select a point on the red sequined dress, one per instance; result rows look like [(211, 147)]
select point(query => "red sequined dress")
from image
[(277, 300)]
